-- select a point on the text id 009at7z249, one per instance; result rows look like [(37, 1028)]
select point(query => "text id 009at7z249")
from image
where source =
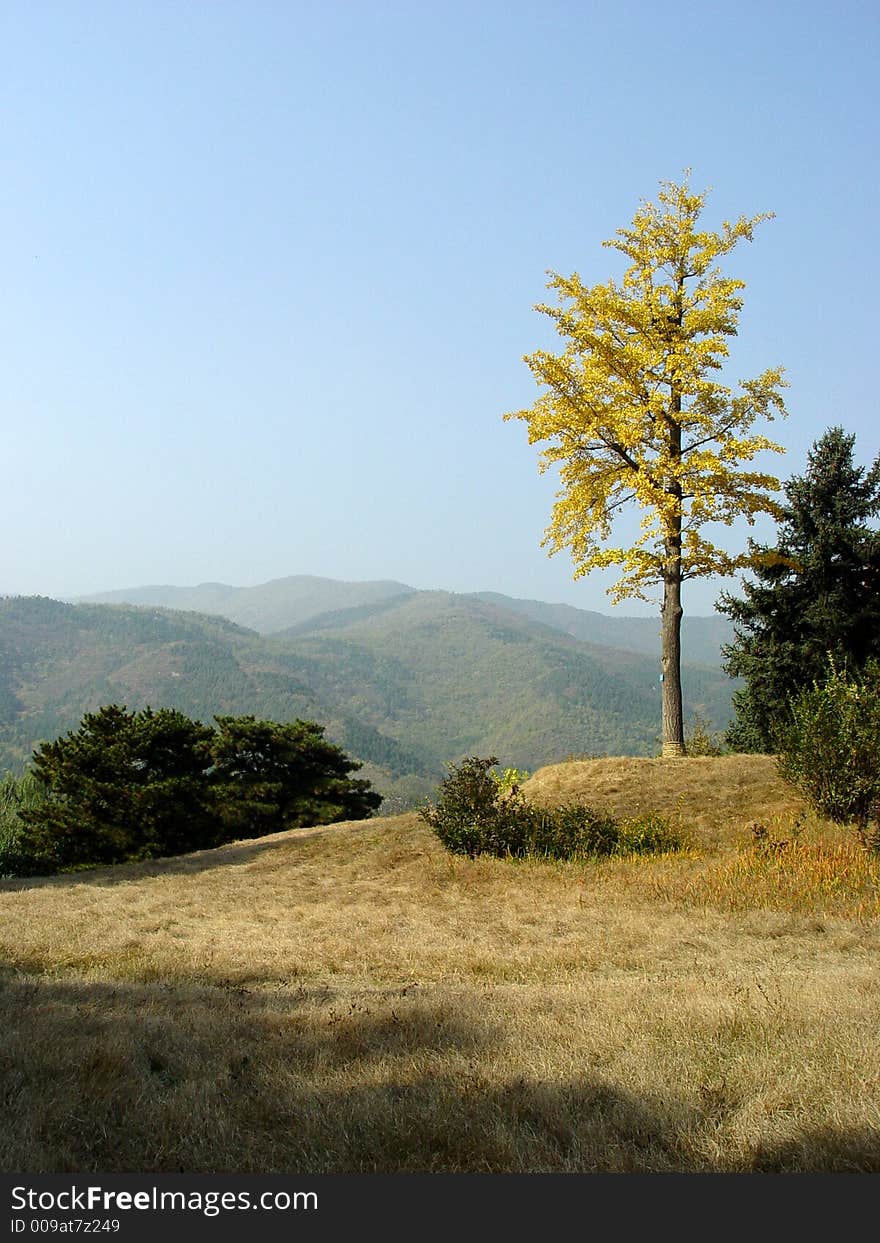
[(71, 1225)]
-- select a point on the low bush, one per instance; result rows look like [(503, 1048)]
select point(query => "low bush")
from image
[(647, 834), (830, 749), (570, 830), (477, 813)]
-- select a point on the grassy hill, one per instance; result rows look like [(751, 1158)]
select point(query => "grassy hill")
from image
[(406, 683), (354, 999)]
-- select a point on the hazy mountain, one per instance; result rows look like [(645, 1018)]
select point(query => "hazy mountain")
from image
[(267, 608), (299, 601), (455, 674), (701, 637), (405, 683)]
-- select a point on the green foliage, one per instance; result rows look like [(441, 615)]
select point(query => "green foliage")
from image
[(475, 814), (570, 830), (830, 748), (145, 784), (816, 591), (749, 731), (650, 833), (18, 795), (125, 785), (269, 776)]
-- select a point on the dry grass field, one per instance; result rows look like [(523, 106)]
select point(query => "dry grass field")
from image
[(354, 999)]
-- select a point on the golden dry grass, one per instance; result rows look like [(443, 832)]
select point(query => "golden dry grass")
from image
[(354, 999)]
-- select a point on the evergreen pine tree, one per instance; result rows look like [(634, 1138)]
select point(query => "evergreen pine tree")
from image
[(124, 785), (816, 592), (269, 776)]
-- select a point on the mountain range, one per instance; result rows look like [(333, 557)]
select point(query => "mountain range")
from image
[(268, 608), (284, 603), (405, 680)]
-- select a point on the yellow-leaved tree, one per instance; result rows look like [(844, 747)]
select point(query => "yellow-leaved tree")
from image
[(634, 413)]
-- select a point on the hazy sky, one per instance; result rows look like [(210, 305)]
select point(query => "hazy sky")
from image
[(268, 269)]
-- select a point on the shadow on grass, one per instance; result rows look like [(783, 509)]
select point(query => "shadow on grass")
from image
[(839, 1150), (161, 1078)]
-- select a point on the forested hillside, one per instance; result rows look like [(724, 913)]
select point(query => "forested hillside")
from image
[(301, 600), (405, 683), (453, 674), (701, 637), (61, 660)]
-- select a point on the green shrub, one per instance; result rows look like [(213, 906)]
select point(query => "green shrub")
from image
[(830, 748), (475, 814), (648, 834), (570, 830)]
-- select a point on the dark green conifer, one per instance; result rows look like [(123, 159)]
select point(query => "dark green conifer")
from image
[(269, 776), (817, 593), (124, 785), (137, 785)]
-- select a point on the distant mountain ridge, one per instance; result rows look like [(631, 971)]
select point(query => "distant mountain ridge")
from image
[(266, 608), (299, 600), (702, 637)]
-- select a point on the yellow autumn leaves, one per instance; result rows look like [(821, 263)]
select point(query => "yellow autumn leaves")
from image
[(632, 411)]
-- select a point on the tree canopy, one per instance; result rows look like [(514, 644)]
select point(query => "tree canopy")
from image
[(815, 594), (270, 776), (634, 413)]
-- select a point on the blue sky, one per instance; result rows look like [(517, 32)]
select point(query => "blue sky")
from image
[(268, 269)]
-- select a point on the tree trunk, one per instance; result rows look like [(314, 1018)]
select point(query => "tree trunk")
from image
[(670, 663), (670, 630)]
